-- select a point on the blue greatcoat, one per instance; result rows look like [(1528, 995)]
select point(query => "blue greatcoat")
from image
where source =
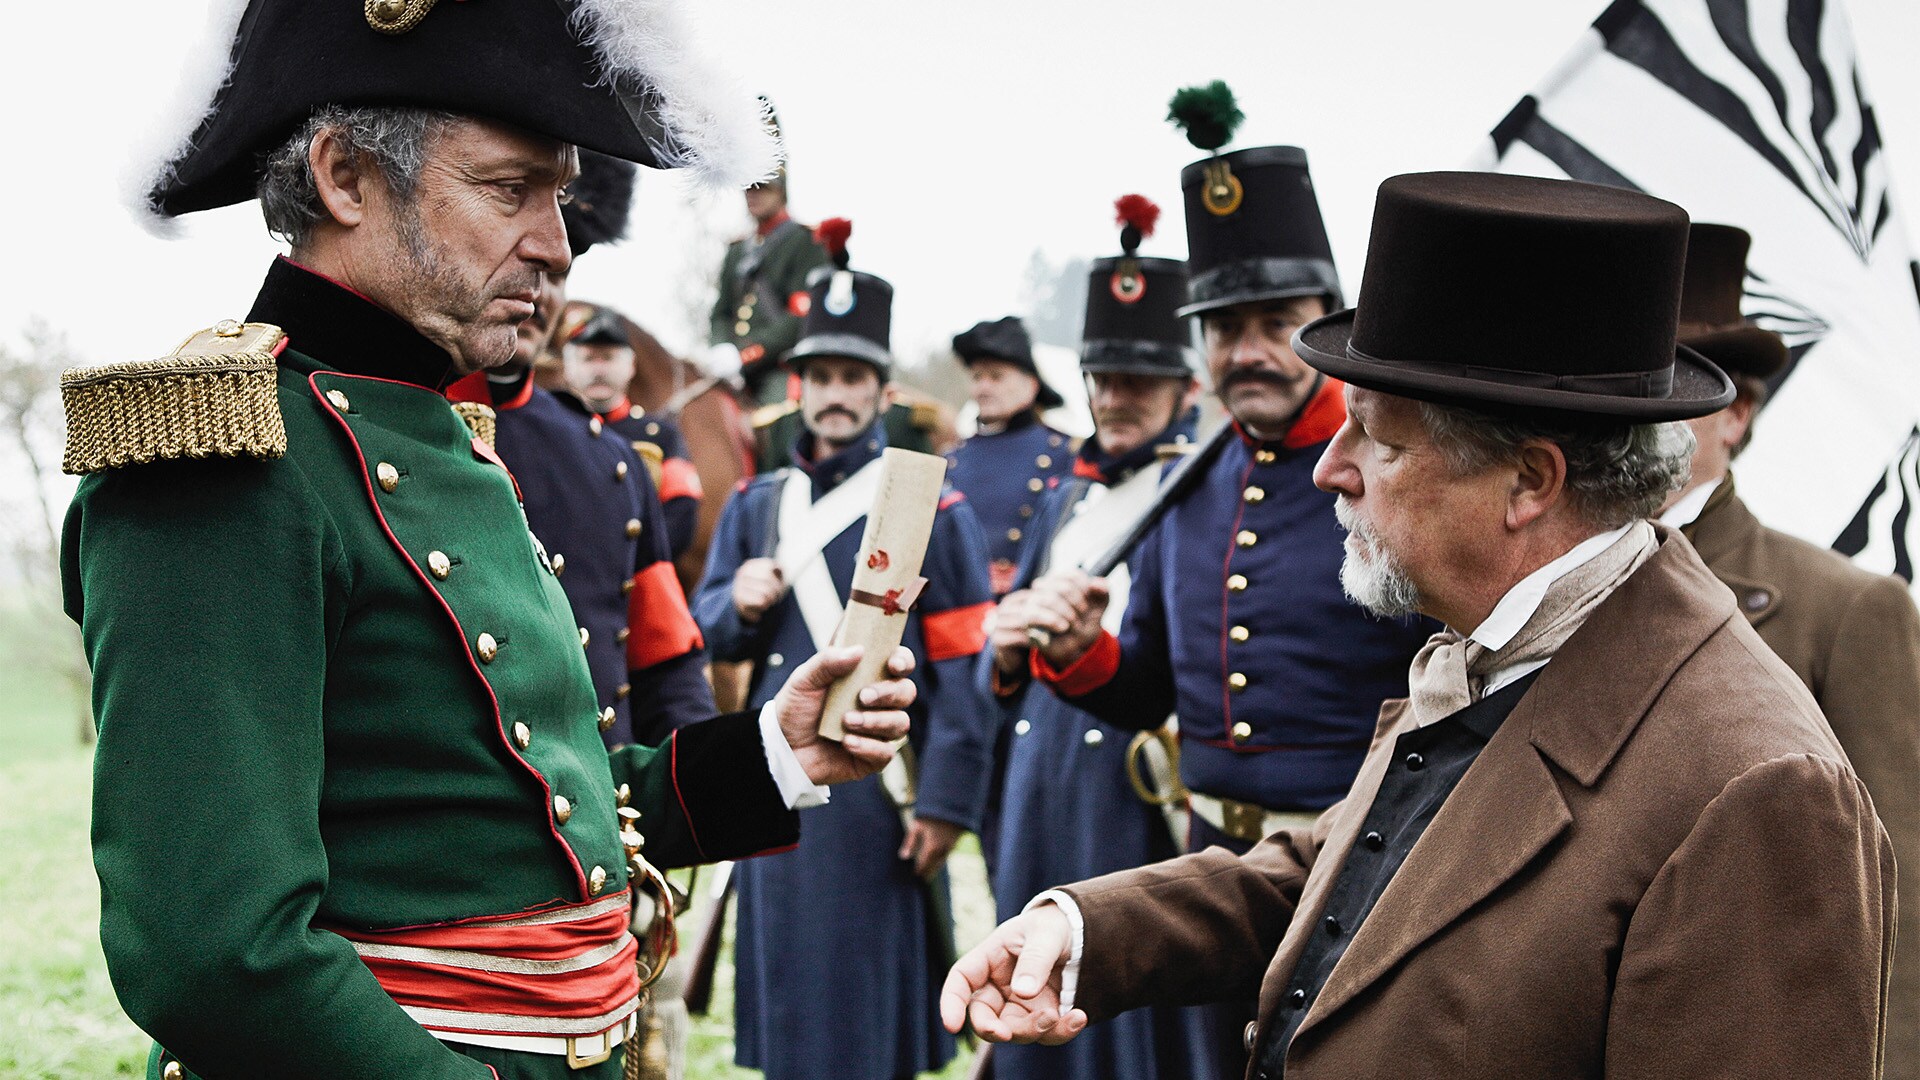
[(592, 504), (1068, 813), (1003, 475), (679, 487), (837, 960), (1242, 577)]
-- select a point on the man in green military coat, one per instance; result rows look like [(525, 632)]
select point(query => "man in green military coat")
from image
[(763, 291), (353, 818)]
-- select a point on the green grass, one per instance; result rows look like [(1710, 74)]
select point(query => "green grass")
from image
[(58, 1016)]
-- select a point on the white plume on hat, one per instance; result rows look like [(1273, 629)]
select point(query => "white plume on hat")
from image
[(723, 135), (163, 144)]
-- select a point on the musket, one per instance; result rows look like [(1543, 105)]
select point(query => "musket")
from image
[(1175, 486)]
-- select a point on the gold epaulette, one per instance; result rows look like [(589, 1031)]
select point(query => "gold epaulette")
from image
[(767, 414), (481, 419), (211, 397), (653, 457)]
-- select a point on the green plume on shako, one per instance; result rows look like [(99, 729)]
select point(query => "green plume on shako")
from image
[(1207, 114)]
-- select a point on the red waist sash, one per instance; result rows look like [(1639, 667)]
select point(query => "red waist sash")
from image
[(559, 971)]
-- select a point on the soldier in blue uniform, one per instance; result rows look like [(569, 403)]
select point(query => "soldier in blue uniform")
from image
[(1236, 620), (591, 501), (1068, 810), (1013, 456), (840, 943), (598, 360)]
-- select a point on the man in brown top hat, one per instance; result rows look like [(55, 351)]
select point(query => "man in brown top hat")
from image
[(1852, 636), (1609, 832)]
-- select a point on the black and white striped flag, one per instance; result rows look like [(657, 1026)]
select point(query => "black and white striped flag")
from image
[(1752, 113)]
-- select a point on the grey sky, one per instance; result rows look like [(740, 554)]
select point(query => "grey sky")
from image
[(959, 138)]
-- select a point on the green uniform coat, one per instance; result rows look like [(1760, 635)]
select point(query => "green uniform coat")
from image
[(761, 281), (300, 725)]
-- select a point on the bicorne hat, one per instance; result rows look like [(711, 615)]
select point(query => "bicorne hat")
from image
[(618, 76), (1711, 323), (1005, 340), (1253, 222), (1490, 290), (1133, 324), (602, 200), (849, 313)]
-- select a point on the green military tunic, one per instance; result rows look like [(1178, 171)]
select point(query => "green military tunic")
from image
[(763, 290), (340, 687)]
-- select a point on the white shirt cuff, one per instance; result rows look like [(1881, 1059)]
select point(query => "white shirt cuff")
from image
[(796, 789), (1070, 974)]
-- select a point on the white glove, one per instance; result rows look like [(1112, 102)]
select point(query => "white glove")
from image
[(721, 361)]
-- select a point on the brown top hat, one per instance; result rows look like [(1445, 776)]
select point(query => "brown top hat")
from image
[(1492, 290), (1710, 320)]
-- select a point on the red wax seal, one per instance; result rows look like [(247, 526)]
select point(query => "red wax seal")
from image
[(890, 603), (878, 560)]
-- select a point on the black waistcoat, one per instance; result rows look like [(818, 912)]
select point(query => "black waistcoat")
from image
[(1427, 764)]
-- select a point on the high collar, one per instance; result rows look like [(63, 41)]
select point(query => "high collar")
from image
[(764, 229), (1093, 463), (831, 471), (346, 330), (620, 411), (1019, 421), (1316, 422), (1723, 525)]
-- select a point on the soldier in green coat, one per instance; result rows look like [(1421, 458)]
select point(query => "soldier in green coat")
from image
[(353, 818), (763, 290)]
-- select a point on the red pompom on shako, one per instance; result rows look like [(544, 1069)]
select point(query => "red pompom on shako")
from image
[(1137, 212), (832, 234)]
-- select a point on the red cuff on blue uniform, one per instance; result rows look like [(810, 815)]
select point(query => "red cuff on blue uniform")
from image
[(1092, 671)]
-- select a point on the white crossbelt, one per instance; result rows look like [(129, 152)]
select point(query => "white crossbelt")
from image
[(1092, 524), (806, 528)]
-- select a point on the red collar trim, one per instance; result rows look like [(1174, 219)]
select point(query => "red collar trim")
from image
[(1087, 470), (475, 388), (1322, 417), (764, 229), (1319, 419), (618, 412), (470, 388)]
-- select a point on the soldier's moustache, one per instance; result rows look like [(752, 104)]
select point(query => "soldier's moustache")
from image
[(1243, 375)]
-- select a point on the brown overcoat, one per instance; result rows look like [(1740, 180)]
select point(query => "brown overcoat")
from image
[(1854, 638), (1661, 866)]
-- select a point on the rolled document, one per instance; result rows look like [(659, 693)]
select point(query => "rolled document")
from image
[(886, 575)]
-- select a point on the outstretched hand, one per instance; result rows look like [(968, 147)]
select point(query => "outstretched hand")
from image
[(1008, 986), (871, 730)]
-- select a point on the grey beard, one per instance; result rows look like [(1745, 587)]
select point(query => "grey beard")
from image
[(1375, 582)]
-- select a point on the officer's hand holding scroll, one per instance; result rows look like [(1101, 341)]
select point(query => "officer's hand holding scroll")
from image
[(1067, 606), (1010, 986), (868, 732)]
